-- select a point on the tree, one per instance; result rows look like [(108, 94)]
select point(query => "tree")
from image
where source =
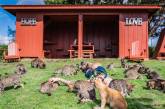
[(84, 2), (48, 2), (156, 22), (11, 32)]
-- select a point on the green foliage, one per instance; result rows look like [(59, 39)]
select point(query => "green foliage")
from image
[(48, 2), (1, 50), (151, 52), (29, 97), (150, 1), (143, 2), (130, 2)]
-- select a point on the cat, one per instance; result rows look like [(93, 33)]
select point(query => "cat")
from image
[(109, 96)]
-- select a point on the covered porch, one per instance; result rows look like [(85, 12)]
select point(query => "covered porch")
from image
[(99, 31), (81, 36)]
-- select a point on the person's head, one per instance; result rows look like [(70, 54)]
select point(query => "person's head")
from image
[(101, 70)]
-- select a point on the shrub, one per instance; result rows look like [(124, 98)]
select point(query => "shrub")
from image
[(151, 51), (1, 50)]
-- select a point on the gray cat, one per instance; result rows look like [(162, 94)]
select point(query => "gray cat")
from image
[(122, 86), (67, 70), (48, 87), (132, 73), (20, 69), (85, 90), (38, 63), (9, 81)]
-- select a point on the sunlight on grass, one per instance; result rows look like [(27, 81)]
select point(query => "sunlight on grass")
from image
[(29, 97)]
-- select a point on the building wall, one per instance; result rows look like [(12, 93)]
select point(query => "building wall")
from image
[(30, 37), (104, 34), (58, 36), (133, 39)]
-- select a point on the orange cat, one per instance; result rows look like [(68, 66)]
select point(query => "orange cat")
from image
[(109, 96)]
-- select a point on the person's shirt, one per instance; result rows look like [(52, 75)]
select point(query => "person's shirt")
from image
[(89, 73)]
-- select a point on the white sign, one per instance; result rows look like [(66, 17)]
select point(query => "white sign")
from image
[(133, 21), (28, 21)]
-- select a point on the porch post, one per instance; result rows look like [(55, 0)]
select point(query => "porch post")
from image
[(121, 37), (80, 35)]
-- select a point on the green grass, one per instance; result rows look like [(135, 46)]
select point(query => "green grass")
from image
[(30, 98)]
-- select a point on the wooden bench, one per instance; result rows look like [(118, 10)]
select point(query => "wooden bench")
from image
[(87, 52), (135, 59), (73, 53), (11, 58), (12, 54)]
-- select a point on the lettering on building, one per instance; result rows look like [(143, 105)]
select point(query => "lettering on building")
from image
[(28, 21), (134, 21)]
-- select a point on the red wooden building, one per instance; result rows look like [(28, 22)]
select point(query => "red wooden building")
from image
[(50, 30), (160, 47)]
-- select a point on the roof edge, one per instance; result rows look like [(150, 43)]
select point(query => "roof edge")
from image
[(81, 6), (15, 8)]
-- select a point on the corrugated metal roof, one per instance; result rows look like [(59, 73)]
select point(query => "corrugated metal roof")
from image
[(15, 8), (80, 7)]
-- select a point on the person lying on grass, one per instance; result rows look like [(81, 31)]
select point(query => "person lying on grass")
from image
[(119, 84), (99, 71)]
